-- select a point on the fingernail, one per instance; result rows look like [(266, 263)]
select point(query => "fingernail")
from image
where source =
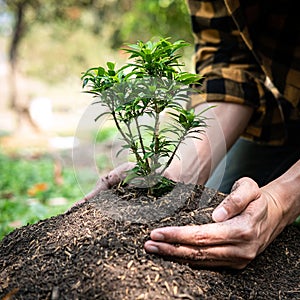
[(157, 236), (219, 214), (151, 248)]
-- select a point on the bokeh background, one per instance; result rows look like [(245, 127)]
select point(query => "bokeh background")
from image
[(45, 118)]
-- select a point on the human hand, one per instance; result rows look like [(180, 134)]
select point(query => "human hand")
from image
[(247, 221), (106, 182)]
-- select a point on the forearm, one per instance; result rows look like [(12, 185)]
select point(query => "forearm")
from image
[(286, 191), (197, 158)]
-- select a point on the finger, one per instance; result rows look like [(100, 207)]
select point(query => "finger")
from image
[(216, 256), (118, 174), (203, 235), (113, 178), (101, 185), (244, 191), (122, 169)]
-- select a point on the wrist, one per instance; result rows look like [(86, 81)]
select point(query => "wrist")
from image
[(190, 170), (286, 192)]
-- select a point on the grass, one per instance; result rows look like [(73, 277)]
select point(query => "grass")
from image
[(30, 190)]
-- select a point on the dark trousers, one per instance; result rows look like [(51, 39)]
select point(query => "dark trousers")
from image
[(260, 162)]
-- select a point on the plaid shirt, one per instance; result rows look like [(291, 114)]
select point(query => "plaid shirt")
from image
[(241, 46)]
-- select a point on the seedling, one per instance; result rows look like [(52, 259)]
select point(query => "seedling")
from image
[(149, 87)]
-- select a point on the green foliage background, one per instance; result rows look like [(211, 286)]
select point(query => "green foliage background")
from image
[(17, 176), (62, 38)]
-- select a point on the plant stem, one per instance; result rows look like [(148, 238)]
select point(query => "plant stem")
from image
[(126, 139), (156, 136), (133, 148), (119, 128), (173, 153), (142, 142)]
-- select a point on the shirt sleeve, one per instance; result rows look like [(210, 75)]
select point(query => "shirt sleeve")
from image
[(229, 69)]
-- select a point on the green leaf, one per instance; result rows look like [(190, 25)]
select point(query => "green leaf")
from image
[(100, 71), (111, 73), (148, 155), (182, 119), (110, 65)]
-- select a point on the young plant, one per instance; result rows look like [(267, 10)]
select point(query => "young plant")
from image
[(138, 96)]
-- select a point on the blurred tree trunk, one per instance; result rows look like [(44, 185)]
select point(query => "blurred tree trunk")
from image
[(18, 33), (19, 30)]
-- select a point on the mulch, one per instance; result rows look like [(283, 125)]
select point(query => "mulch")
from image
[(95, 251)]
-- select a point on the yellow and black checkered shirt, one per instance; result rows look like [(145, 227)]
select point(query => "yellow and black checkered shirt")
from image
[(249, 53)]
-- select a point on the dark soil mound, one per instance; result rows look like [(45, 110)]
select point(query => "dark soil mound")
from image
[(95, 251)]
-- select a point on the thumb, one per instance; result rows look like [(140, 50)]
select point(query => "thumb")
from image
[(244, 191)]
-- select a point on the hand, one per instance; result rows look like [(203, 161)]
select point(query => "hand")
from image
[(247, 221), (106, 182)]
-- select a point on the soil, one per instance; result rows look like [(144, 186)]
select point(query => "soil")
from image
[(95, 251)]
